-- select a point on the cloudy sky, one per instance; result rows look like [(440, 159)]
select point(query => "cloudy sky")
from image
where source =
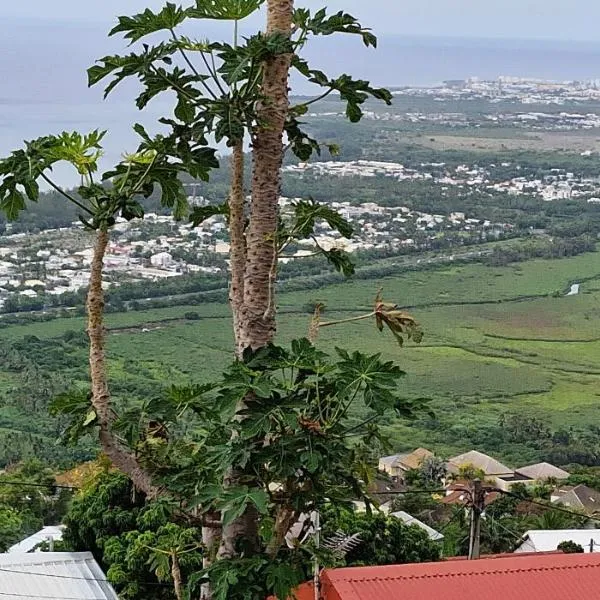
[(548, 19)]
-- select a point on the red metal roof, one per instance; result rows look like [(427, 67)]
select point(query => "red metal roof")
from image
[(535, 577)]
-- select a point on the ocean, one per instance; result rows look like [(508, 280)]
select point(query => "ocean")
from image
[(43, 80)]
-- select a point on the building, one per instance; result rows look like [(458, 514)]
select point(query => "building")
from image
[(407, 519), (553, 576), (580, 498), (543, 471), (162, 260), (53, 575), (480, 461), (456, 494), (49, 534), (506, 482), (398, 464), (547, 540)]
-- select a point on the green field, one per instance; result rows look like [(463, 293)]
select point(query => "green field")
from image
[(497, 340)]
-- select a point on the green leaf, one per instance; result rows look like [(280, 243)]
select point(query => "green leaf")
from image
[(341, 22), (148, 22), (340, 260), (307, 212), (12, 204), (32, 189), (199, 214), (230, 10), (260, 499), (185, 110), (142, 66)]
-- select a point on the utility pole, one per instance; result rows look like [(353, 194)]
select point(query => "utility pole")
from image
[(316, 581), (477, 506)]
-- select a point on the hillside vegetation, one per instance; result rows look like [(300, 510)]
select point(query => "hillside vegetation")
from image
[(499, 341)]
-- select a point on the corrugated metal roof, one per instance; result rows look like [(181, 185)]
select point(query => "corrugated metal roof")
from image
[(410, 520), (535, 577), (53, 576), (54, 532)]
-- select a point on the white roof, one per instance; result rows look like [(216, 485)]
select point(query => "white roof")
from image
[(53, 576), (489, 465), (410, 520), (543, 470), (54, 532), (547, 540)]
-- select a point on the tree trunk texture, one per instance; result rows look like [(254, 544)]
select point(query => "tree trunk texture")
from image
[(257, 322), (120, 456), (237, 254), (176, 575)]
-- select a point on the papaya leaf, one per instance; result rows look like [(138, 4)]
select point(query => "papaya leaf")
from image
[(229, 10), (148, 22)]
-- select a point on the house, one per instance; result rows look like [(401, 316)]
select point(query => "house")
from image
[(555, 576), (581, 498), (398, 464), (57, 575), (385, 488), (407, 519), (49, 534), (457, 494), (560, 491), (543, 471), (162, 260), (547, 540), (506, 482), (480, 461)]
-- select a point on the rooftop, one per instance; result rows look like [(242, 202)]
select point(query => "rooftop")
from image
[(542, 471), (547, 540), (53, 576), (581, 497), (479, 460), (510, 577), (410, 520), (46, 534)]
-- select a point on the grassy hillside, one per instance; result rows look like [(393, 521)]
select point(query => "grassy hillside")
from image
[(497, 340)]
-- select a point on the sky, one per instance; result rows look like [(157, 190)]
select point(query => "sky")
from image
[(575, 20)]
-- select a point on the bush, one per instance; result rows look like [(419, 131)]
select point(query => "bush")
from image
[(570, 547)]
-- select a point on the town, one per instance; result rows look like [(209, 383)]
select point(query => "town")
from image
[(556, 184), (55, 262)]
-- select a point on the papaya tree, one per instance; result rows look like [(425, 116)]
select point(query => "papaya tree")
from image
[(276, 435), (101, 200), (236, 92)]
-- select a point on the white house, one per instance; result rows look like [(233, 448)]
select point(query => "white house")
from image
[(49, 534), (547, 540), (161, 260), (56, 575)]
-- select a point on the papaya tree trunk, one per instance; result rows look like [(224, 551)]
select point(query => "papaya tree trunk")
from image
[(237, 255), (258, 312), (256, 315), (121, 457), (176, 575)]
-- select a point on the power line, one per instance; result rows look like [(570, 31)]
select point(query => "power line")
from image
[(517, 536), (549, 506), (20, 572), (38, 485), (37, 596), (399, 492)]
